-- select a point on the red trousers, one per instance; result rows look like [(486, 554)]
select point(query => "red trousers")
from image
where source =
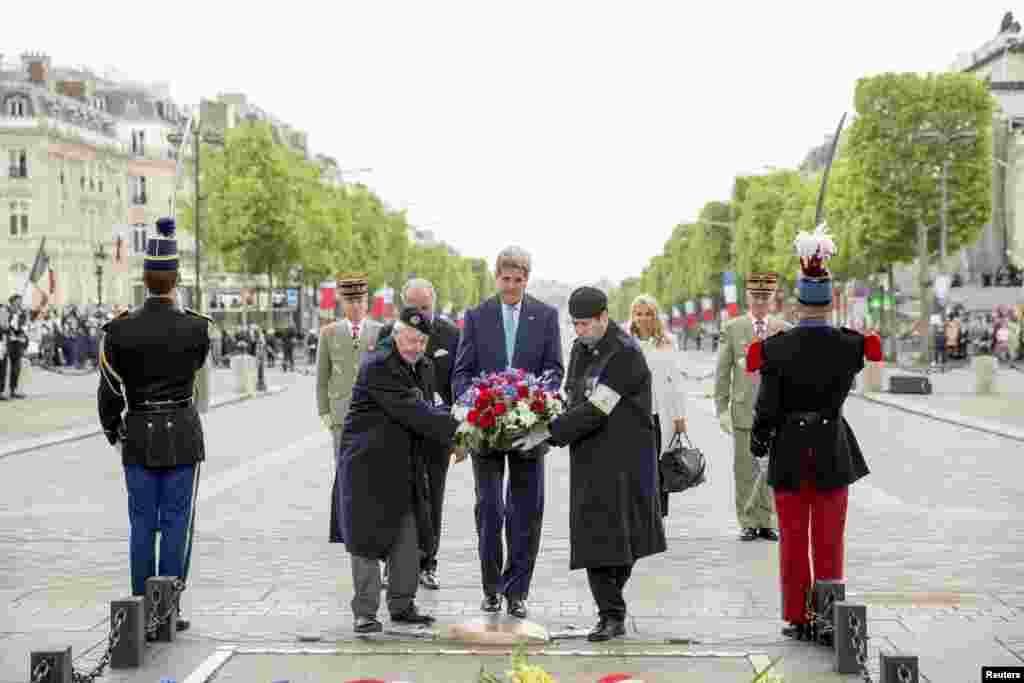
[(811, 528)]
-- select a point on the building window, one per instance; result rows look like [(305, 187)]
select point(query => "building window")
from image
[(81, 181), (139, 239), (137, 189), (17, 106), (138, 142), (19, 219), (19, 163), (100, 184), (62, 175)]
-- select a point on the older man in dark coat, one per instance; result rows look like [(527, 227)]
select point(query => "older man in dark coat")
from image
[(615, 515), (381, 502)]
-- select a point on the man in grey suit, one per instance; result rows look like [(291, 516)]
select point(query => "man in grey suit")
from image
[(340, 350)]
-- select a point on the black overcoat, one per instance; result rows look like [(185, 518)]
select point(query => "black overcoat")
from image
[(808, 372), (392, 427), (615, 512)]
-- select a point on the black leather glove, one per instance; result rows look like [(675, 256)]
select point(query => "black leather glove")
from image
[(759, 448)]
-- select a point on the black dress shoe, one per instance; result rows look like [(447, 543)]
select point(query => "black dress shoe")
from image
[(2, 397), (17, 394), (768, 534), (491, 603), (368, 625), (182, 624), (517, 609), (429, 580), (748, 534), (412, 616), (797, 631), (607, 629)]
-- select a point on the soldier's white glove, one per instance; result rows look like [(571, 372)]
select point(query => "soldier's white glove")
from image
[(326, 419), (537, 435), (725, 421)]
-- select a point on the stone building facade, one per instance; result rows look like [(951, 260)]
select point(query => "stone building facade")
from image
[(82, 158)]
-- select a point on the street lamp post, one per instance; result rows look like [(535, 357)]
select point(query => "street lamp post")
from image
[(946, 140), (198, 136), (100, 256)]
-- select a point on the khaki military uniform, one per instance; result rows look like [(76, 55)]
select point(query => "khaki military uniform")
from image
[(338, 356), (736, 391)]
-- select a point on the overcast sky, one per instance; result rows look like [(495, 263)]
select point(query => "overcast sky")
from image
[(581, 130)]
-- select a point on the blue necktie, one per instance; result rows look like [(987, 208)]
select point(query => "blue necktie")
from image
[(510, 332)]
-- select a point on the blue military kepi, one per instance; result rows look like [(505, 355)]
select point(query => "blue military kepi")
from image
[(587, 302), (412, 317), (162, 248)]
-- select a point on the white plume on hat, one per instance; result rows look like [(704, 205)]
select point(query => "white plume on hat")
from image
[(814, 249)]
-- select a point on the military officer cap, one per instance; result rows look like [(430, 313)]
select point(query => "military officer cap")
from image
[(762, 286), (415, 319), (352, 285), (162, 248), (587, 302)]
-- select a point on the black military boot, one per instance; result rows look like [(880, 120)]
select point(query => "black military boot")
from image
[(606, 629), (797, 631)]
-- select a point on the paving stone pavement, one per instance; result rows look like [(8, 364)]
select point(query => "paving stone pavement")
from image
[(932, 549)]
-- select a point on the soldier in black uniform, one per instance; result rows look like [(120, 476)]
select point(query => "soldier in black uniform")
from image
[(15, 338), (813, 456), (149, 359)]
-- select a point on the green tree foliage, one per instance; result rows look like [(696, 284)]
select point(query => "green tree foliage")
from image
[(268, 211), (898, 176)]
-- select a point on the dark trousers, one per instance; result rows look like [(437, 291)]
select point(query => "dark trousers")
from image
[(160, 500), (403, 576), (437, 475), (12, 365), (517, 509), (606, 585)]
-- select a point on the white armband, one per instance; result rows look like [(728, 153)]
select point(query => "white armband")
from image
[(605, 398)]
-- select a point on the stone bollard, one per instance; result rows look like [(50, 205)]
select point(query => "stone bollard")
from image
[(243, 367), (162, 607), (56, 664), (873, 377), (131, 644), (984, 374)]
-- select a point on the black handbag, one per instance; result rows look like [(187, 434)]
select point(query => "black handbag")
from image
[(681, 467)]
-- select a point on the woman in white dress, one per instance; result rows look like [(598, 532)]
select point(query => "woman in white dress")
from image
[(669, 405)]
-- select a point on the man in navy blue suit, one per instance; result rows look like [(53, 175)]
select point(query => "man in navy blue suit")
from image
[(511, 330)]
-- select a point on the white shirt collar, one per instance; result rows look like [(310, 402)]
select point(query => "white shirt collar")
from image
[(517, 307), (753, 320)]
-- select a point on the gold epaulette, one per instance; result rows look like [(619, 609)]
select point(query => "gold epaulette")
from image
[(199, 315), (117, 317)]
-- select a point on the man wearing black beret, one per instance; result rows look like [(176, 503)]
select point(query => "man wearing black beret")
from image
[(615, 515), (380, 506)]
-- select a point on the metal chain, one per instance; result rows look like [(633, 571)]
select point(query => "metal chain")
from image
[(860, 646), (156, 620), (41, 672), (112, 640)]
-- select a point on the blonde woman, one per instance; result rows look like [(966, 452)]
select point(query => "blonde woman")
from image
[(669, 405)]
